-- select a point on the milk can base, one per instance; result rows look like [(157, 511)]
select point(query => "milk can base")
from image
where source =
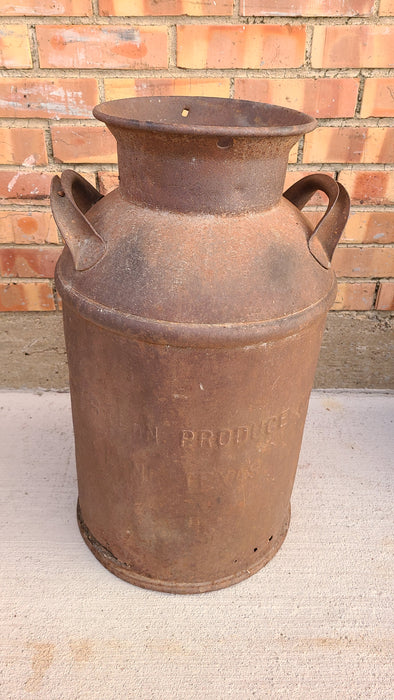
[(127, 574)]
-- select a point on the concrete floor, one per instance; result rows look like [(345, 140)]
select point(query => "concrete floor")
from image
[(317, 622)]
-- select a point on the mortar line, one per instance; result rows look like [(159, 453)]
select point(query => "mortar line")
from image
[(172, 47), (160, 20)]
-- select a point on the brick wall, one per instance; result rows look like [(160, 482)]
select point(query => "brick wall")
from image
[(330, 58)]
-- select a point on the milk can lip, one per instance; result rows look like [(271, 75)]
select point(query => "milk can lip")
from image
[(204, 116)]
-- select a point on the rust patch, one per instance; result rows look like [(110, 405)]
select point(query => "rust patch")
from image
[(331, 404), (194, 302), (81, 650), (42, 660)]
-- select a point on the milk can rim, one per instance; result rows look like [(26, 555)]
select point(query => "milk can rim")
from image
[(114, 113)]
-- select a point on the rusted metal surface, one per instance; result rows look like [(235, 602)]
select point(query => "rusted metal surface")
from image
[(195, 298)]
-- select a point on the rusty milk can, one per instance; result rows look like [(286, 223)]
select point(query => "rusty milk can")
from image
[(195, 297)]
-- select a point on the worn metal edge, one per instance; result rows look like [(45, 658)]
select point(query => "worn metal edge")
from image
[(121, 570), (163, 332), (184, 128)]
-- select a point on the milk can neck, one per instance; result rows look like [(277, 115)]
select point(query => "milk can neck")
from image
[(200, 173)]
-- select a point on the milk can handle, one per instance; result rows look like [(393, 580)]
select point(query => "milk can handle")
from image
[(71, 197), (324, 239)]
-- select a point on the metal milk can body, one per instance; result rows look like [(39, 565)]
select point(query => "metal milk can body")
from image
[(195, 298)]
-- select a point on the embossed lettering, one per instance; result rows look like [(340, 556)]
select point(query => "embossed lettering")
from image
[(241, 434), (187, 437), (205, 438), (141, 471), (146, 433), (261, 431), (224, 437), (283, 418), (255, 431), (152, 433), (271, 424)]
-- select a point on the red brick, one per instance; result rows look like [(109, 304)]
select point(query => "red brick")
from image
[(23, 227), (369, 186), (364, 261), (29, 186), (363, 226), (378, 98), (349, 145), (241, 46), (354, 296), (386, 8), (118, 88), (352, 46), (72, 8), (17, 184), (83, 144), (26, 296), (385, 296), (29, 262), (58, 301), (369, 227), (307, 8), (326, 97), (293, 155), (143, 8), (50, 99), (89, 176), (22, 146), (293, 176), (108, 181), (106, 46), (14, 46)]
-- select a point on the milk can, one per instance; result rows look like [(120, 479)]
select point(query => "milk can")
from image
[(194, 301)]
